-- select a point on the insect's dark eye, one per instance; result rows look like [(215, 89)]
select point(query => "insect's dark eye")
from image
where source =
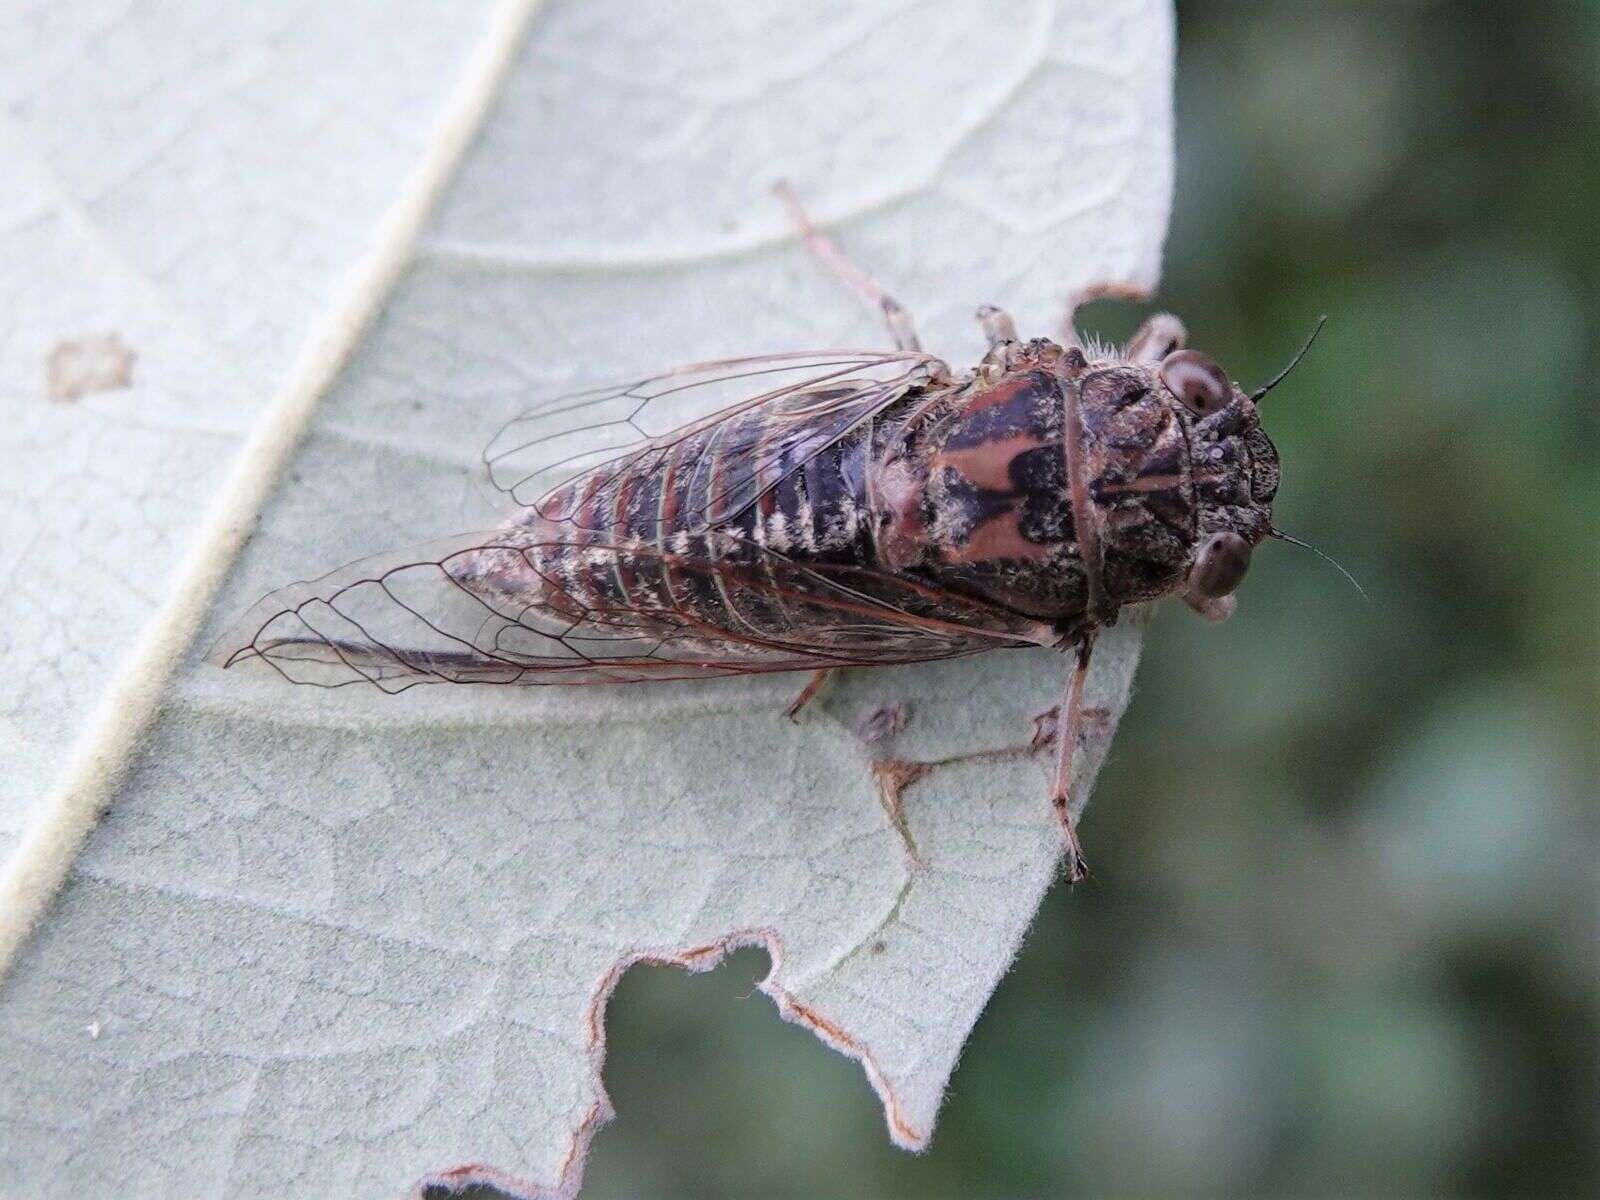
[(1220, 566), (1196, 381)]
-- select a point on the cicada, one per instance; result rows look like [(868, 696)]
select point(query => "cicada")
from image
[(812, 511)]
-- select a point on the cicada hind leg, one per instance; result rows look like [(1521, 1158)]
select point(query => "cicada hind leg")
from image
[(901, 329)]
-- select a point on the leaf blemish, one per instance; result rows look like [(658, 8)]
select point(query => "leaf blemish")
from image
[(883, 723), (78, 367)]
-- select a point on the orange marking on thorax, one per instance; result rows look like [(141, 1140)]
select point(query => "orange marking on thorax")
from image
[(1007, 389), (989, 465), (1144, 483), (998, 537)]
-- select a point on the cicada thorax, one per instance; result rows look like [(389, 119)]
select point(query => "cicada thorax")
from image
[(978, 497)]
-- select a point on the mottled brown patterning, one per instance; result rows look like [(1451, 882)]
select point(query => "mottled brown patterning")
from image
[(846, 508)]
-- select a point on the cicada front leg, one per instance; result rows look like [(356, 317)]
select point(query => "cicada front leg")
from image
[(901, 330), (1070, 337), (1218, 608), (1158, 337)]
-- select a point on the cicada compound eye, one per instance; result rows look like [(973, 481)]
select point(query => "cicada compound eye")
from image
[(1220, 566), (1198, 383)]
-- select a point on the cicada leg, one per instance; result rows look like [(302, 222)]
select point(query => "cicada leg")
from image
[(1069, 729), (1212, 608), (808, 693), (901, 330), (1158, 337), (999, 330), (1070, 337)]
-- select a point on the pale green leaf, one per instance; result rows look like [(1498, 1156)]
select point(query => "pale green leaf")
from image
[(327, 944)]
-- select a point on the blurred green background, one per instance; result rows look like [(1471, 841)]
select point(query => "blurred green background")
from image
[(1341, 938)]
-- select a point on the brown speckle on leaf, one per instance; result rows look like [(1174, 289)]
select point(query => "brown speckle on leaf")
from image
[(78, 367), (883, 722), (1098, 725)]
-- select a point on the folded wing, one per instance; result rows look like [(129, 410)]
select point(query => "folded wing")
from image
[(511, 607)]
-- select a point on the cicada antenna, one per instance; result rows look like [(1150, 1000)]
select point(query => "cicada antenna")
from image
[(1281, 536), (1255, 396)]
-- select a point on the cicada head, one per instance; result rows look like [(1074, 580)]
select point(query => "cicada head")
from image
[(1235, 470)]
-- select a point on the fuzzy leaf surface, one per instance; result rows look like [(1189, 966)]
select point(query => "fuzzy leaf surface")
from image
[(331, 944)]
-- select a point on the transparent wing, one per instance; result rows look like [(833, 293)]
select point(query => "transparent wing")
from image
[(578, 589), (737, 427), (529, 605)]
